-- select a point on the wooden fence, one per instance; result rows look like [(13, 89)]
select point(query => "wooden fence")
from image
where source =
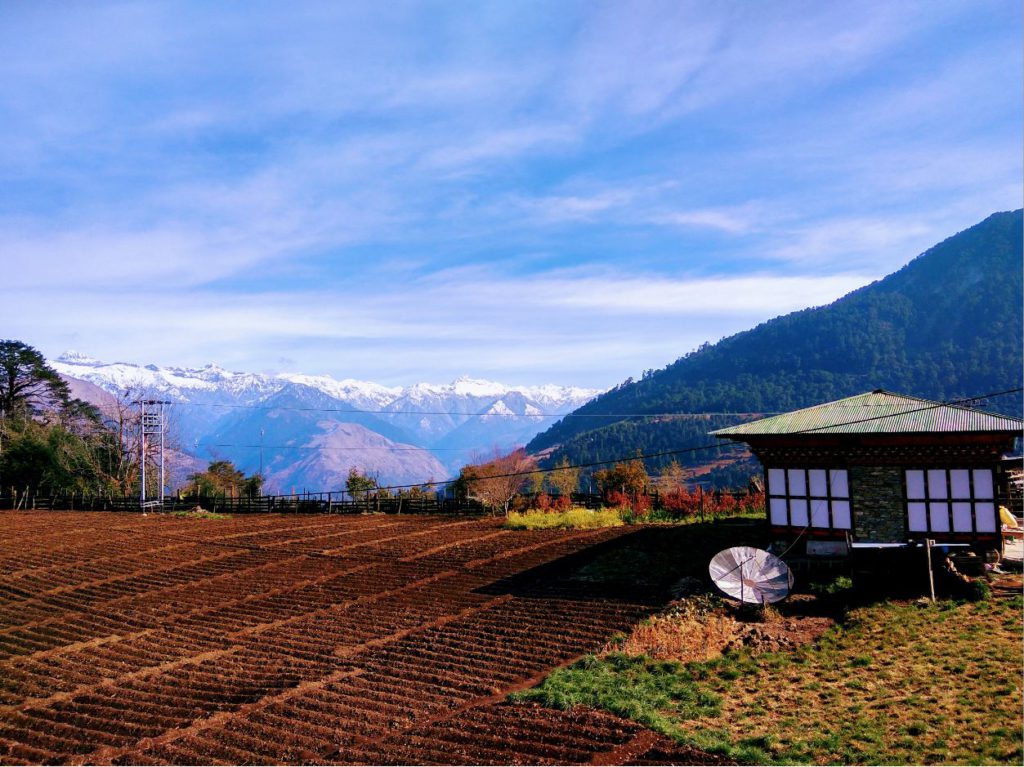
[(311, 503), (306, 503)]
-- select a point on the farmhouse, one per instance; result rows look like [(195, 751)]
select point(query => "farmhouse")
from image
[(882, 468)]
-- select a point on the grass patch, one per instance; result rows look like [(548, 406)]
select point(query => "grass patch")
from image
[(898, 684), (839, 586), (570, 519), (578, 518), (201, 514), (655, 693)]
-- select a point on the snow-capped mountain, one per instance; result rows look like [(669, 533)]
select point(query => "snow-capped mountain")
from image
[(289, 422)]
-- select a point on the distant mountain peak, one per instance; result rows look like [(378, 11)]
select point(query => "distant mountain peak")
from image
[(77, 358), (225, 412)]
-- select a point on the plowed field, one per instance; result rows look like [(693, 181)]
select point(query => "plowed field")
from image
[(334, 639)]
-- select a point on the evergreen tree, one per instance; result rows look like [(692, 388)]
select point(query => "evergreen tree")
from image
[(26, 381)]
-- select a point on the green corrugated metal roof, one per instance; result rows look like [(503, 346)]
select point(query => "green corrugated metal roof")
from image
[(877, 412)]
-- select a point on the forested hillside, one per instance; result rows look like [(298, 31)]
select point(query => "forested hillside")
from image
[(947, 325)]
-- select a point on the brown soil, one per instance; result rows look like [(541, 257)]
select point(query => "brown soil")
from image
[(269, 639)]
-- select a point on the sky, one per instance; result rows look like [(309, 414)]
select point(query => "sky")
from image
[(528, 192)]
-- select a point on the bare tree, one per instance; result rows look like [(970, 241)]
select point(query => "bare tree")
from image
[(121, 415), (497, 481), (121, 412)]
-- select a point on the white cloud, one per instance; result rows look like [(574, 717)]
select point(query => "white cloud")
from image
[(733, 220), (854, 240), (580, 296), (561, 327), (500, 144), (276, 183)]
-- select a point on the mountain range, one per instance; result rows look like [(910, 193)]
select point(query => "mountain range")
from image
[(306, 431), (947, 325)]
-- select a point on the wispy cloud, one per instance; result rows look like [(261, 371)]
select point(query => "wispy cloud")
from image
[(735, 220), (561, 328), (484, 188), (502, 144)]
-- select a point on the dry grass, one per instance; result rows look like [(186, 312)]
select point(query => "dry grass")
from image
[(901, 684), (697, 629)]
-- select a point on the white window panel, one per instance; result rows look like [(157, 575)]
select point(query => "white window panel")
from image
[(840, 486), (962, 517), (983, 483), (819, 486), (915, 483), (803, 497), (798, 511), (778, 511), (797, 482), (936, 483), (960, 482), (938, 517), (985, 517), (819, 513), (841, 514), (917, 514)]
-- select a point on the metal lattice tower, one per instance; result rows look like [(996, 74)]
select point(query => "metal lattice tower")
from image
[(152, 423)]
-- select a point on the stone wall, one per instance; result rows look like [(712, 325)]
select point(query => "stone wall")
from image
[(877, 504)]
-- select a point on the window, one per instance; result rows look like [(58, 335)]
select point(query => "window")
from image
[(950, 501), (818, 498)]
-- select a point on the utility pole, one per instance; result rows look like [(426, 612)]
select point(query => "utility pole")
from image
[(261, 452), (151, 424), (162, 483), (142, 454)]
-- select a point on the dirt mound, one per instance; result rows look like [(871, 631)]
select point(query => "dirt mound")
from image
[(702, 626)]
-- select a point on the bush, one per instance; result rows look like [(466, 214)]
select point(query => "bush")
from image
[(641, 505), (979, 590), (616, 499)]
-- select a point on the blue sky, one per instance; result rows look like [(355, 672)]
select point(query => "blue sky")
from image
[(530, 192)]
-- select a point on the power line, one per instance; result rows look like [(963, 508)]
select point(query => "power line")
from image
[(724, 443), (395, 448), (407, 448), (361, 411)]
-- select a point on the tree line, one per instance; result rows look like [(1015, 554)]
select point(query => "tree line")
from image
[(52, 443)]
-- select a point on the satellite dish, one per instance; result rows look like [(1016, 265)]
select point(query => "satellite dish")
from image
[(751, 575)]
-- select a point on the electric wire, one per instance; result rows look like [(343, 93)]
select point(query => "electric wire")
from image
[(364, 411)]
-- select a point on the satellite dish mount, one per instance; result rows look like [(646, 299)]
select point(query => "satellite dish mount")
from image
[(753, 576)]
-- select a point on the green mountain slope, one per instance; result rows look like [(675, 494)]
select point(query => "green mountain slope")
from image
[(947, 325)]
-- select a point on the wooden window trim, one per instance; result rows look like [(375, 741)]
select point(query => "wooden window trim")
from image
[(828, 499), (949, 500)]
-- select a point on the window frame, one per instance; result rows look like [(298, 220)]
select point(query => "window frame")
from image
[(927, 500), (810, 499)]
